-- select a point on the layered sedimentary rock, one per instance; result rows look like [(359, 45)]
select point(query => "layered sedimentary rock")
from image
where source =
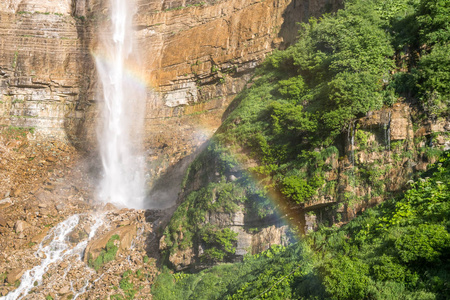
[(196, 55), (41, 77)]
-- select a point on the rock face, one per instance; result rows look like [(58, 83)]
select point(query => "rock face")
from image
[(41, 77), (196, 55), (381, 153)]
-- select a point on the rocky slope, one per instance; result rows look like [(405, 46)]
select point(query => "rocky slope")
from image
[(42, 185)]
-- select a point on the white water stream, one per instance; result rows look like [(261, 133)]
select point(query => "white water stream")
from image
[(54, 249), (124, 95)]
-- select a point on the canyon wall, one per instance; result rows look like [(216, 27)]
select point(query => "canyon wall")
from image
[(196, 55)]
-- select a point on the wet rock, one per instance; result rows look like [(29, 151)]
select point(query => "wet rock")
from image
[(153, 215), (14, 275), (77, 236)]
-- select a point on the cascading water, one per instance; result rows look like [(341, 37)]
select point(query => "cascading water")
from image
[(54, 248), (123, 107), (351, 140)]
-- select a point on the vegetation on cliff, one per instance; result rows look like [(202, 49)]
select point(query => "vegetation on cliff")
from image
[(306, 98), (397, 250), (305, 101)]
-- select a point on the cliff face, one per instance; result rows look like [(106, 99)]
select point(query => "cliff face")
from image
[(42, 74), (196, 57)]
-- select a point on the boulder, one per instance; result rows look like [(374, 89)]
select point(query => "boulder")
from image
[(269, 236), (20, 226), (14, 275), (126, 234)]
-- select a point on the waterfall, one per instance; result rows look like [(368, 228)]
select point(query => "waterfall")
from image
[(123, 106), (351, 140)]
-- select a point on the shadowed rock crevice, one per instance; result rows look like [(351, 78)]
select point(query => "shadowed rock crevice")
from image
[(300, 11)]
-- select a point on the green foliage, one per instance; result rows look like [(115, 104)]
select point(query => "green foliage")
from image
[(303, 98), (302, 101), (342, 67), (106, 255), (434, 20), (13, 132), (127, 286), (344, 278), (397, 250), (299, 189), (293, 88), (238, 281), (214, 68), (433, 78), (422, 243), (188, 222), (221, 242)]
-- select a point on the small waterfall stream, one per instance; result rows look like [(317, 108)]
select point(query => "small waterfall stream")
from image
[(351, 141), (54, 249)]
